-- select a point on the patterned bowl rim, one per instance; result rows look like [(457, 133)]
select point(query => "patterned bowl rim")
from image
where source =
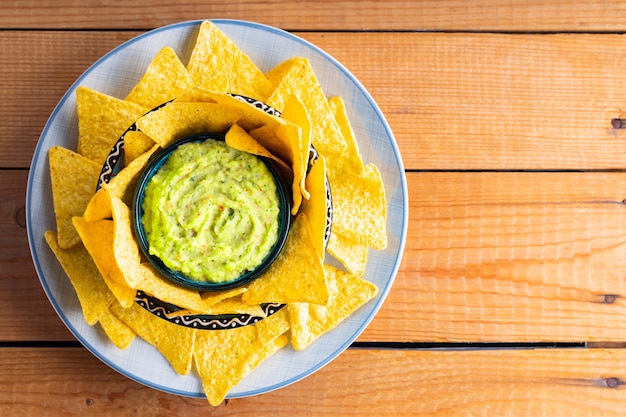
[(114, 163)]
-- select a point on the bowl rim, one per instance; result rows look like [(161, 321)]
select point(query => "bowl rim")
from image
[(284, 219)]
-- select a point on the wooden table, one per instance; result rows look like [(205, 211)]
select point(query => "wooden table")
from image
[(511, 296)]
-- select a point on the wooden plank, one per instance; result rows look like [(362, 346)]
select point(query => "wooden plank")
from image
[(453, 101), (70, 381), (500, 257), (511, 257), (21, 296), (484, 15)]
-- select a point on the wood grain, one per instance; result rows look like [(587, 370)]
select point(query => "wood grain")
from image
[(452, 15), (540, 102), (574, 382), (490, 257), (511, 256)]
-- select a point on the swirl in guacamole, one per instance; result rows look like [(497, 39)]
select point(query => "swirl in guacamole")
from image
[(211, 212)]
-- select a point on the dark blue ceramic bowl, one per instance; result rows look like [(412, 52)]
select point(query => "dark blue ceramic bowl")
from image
[(177, 276)]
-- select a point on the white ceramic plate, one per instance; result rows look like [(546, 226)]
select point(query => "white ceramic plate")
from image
[(115, 74)]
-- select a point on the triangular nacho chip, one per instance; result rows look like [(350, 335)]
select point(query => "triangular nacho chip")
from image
[(173, 341), (347, 293), (296, 74), (351, 254), (297, 259), (224, 357), (97, 237), (349, 160), (102, 119), (315, 207), (74, 179), (152, 282), (93, 293), (214, 53), (179, 120), (360, 207), (116, 330), (136, 144), (165, 79)]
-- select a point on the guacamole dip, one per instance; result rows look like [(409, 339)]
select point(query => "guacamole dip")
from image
[(211, 211)]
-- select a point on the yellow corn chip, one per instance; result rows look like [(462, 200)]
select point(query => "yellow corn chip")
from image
[(165, 79), (117, 331), (173, 341), (122, 186), (74, 179), (212, 297), (99, 207), (276, 324), (179, 120), (238, 138), (102, 119), (297, 259), (205, 92), (215, 53), (136, 144), (360, 208), (93, 294), (97, 236), (349, 160), (296, 113), (347, 293), (296, 74), (351, 254), (284, 140), (315, 206), (224, 357), (153, 283), (234, 305), (125, 246)]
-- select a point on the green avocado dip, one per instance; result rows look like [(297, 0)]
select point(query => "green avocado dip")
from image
[(211, 212)]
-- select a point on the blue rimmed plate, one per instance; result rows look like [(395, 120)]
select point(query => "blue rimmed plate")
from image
[(115, 74)]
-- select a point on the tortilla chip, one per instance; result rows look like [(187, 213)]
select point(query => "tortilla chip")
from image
[(116, 330), (347, 293), (296, 113), (351, 254), (214, 53), (297, 259), (153, 283), (99, 207), (125, 246), (122, 185), (174, 342), (360, 208), (224, 357), (315, 206), (276, 324), (136, 144), (296, 74), (213, 297), (102, 119), (165, 79), (179, 120), (205, 92), (234, 305), (349, 160), (93, 293), (238, 138), (97, 237), (285, 141), (74, 179)]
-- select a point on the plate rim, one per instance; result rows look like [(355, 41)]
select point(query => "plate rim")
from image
[(402, 187)]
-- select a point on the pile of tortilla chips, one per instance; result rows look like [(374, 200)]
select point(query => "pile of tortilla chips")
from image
[(94, 240)]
